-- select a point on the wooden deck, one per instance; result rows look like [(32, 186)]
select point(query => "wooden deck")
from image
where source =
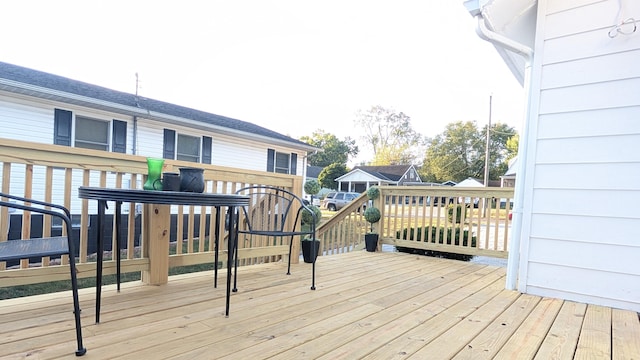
[(367, 305)]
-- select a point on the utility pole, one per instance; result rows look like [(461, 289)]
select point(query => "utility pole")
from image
[(486, 149)]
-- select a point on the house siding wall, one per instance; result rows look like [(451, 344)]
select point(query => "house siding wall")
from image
[(581, 239), (25, 121), (30, 119)]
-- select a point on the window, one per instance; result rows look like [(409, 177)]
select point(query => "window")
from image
[(92, 134), (283, 163), (89, 133), (188, 148)]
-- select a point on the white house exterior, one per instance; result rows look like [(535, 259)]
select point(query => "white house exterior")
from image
[(576, 230), (45, 108)]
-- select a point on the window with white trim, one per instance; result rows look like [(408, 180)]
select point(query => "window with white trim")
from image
[(91, 133), (188, 148), (282, 163)]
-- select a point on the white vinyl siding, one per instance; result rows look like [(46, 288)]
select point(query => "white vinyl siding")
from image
[(26, 122), (30, 119), (227, 150), (580, 228), (150, 136)]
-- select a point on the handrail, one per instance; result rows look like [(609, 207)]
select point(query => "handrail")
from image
[(487, 229)]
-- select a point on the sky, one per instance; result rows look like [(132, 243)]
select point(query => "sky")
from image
[(293, 66)]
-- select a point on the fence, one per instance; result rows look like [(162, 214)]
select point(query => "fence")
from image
[(53, 174), (471, 221)]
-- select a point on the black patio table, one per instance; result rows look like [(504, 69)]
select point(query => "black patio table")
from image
[(102, 195)]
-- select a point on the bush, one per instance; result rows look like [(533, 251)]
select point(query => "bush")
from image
[(437, 236), (458, 208), (306, 215)]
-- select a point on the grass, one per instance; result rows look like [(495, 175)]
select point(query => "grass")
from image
[(64, 285)]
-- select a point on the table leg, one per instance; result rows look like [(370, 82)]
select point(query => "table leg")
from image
[(118, 243), (102, 205), (217, 244), (233, 239), (235, 262), (157, 222)]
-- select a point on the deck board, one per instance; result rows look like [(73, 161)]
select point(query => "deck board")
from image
[(366, 306)]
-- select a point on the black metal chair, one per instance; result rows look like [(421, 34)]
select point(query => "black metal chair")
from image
[(47, 246), (275, 213)]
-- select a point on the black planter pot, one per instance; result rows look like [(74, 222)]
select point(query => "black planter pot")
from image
[(309, 252), (371, 242)]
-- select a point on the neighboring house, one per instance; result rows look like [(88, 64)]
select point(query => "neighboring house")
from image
[(509, 177), (473, 182), (41, 107), (362, 177), (469, 182), (575, 232), (313, 172)]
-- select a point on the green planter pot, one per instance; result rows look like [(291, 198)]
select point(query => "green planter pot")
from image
[(371, 242)]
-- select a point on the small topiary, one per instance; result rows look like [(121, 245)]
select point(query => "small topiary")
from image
[(306, 215), (372, 215), (373, 193), (312, 187)]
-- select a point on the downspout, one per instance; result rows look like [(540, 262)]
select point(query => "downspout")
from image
[(513, 261), (135, 135)]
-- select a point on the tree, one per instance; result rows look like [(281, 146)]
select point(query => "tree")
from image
[(390, 135), (499, 150), (329, 174), (512, 146), (334, 150), (459, 153), (453, 155)]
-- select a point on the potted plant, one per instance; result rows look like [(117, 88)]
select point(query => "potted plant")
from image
[(372, 216), (310, 245), (310, 249), (312, 187)]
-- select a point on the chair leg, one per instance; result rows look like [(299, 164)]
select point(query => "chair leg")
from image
[(76, 306), (313, 275), (289, 262), (235, 270), (313, 266)]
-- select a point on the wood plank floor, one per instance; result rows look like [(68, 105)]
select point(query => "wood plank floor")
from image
[(366, 306)]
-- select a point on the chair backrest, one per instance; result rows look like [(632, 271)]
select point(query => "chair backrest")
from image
[(272, 210)]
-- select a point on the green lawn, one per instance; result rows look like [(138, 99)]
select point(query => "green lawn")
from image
[(55, 286)]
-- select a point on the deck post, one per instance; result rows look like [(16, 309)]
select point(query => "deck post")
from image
[(155, 235)]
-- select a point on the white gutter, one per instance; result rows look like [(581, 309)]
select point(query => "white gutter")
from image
[(513, 261)]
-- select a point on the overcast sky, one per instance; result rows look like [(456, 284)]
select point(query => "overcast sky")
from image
[(292, 66)]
